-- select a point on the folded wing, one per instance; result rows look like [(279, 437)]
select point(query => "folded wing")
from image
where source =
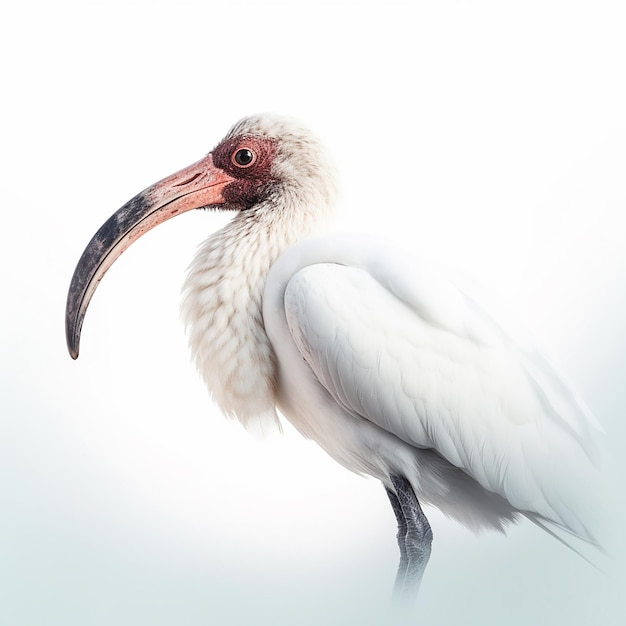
[(410, 351)]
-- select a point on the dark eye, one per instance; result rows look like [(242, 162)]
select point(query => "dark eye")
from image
[(244, 157)]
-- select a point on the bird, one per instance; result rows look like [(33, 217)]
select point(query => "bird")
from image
[(389, 363)]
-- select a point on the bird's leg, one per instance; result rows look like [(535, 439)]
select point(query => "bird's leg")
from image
[(416, 546), (401, 536)]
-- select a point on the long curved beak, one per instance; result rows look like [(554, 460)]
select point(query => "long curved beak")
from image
[(197, 186)]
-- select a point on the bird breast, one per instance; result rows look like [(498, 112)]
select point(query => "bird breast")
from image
[(222, 312), (223, 301)]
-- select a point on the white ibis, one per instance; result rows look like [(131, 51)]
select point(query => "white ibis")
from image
[(391, 368)]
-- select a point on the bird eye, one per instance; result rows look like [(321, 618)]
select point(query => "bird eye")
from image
[(244, 157)]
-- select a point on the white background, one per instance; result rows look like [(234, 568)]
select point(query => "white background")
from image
[(490, 135)]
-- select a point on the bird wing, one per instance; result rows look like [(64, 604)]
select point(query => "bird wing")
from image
[(405, 348)]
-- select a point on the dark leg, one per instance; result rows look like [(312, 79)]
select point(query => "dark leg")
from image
[(414, 537), (401, 536)]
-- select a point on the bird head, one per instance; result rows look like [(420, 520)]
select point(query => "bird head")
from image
[(273, 157), (265, 163)]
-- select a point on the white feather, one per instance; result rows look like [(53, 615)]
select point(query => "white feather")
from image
[(396, 345), (386, 363)]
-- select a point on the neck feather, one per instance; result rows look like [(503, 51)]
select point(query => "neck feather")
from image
[(222, 307)]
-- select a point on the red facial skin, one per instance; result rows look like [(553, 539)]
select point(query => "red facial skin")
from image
[(252, 181)]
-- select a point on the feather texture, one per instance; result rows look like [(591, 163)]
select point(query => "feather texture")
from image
[(414, 355)]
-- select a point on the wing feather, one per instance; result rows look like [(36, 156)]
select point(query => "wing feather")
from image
[(421, 359)]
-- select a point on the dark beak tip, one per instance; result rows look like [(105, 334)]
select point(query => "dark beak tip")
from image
[(73, 348)]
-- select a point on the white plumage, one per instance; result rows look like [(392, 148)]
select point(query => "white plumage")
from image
[(413, 365), (386, 362)]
